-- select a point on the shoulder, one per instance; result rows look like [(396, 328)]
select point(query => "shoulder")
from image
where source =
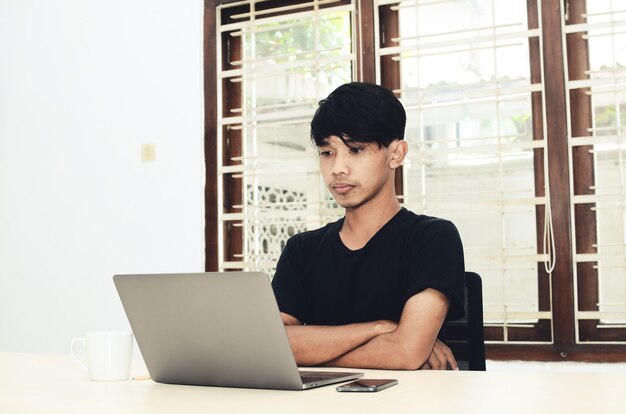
[(425, 226), (435, 259)]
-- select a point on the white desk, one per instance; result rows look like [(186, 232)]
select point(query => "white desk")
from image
[(33, 383)]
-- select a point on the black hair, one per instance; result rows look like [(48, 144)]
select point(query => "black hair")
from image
[(359, 112)]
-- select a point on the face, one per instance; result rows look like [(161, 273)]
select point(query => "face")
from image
[(355, 172)]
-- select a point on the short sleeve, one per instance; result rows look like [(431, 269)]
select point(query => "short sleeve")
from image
[(288, 282), (438, 263)]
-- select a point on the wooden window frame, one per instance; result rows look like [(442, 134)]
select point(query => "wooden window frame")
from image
[(564, 346)]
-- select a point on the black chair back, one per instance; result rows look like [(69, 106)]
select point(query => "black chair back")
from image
[(465, 336)]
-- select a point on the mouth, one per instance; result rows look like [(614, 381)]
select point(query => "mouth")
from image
[(342, 187)]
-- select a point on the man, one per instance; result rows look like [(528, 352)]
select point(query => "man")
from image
[(373, 289)]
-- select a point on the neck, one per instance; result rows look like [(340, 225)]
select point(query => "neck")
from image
[(362, 223)]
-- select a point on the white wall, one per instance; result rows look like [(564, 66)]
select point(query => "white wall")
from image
[(82, 85)]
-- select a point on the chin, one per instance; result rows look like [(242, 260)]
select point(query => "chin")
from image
[(351, 201), (349, 205)]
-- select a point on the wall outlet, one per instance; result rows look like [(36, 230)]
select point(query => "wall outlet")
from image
[(148, 152)]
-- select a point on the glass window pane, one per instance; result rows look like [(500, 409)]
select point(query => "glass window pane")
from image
[(465, 81), (290, 60), (606, 192)]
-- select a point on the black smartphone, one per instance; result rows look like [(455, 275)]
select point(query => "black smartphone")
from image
[(367, 385)]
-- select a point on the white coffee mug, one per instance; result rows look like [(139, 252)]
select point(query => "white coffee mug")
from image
[(108, 354)]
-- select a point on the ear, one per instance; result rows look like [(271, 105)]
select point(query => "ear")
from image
[(398, 150)]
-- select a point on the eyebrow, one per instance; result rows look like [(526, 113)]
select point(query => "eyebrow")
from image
[(347, 142)]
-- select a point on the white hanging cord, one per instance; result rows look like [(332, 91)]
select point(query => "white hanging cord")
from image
[(548, 229), (548, 236)]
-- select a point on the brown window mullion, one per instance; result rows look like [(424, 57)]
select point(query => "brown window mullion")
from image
[(582, 160), (558, 170), (210, 138), (365, 50), (390, 70)]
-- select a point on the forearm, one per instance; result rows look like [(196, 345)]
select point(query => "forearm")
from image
[(317, 345), (386, 351), (408, 346)]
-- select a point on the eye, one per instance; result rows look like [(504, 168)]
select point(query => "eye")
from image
[(356, 150), (325, 153)]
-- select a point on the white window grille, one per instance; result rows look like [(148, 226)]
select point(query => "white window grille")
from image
[(475, 157), (466, 84), (291, 57), (605, 85)]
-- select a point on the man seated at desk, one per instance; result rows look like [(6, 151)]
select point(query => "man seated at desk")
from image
[(373, 289)]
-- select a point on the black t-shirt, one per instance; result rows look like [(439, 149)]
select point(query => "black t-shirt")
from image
[(320, 281)]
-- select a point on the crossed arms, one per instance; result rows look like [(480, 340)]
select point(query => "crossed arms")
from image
[(410, 344)]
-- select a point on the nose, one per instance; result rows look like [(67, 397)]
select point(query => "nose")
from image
[(340, 164)]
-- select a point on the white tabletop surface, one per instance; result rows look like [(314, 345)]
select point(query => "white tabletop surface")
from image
[(36, 383)]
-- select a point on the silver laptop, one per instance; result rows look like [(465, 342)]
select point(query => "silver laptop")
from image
[(220, 329)]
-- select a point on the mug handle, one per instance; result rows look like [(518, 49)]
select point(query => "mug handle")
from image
[(73, 352)]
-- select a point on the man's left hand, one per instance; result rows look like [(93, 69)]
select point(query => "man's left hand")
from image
[(440, 358)]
